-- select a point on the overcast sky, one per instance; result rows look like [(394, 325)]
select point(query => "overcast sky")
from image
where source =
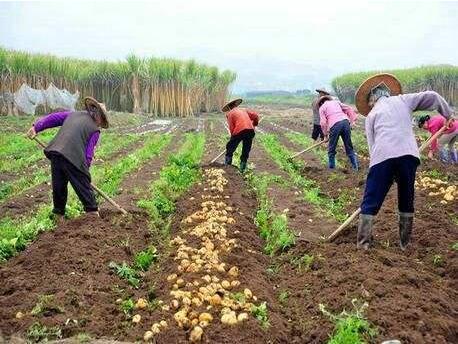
[(280, 44)]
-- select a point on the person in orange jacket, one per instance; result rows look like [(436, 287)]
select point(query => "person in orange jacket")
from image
[(241, 124)]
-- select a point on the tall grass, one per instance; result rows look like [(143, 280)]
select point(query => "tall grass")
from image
[(160, 86), (440, 78)]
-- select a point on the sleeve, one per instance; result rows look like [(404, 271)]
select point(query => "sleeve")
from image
[(433, 128), (428, 100), (55, 119), (90, 147), (230, 122), (369, 128), (348, 110), (323, 120), (253, 116)]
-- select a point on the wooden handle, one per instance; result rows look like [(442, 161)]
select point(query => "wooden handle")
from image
[(219, 155), (427, 143), (307, 149), (344, 225), (100, 192)]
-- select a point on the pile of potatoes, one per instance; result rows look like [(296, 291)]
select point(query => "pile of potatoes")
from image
[(199, 301), (439, 187)]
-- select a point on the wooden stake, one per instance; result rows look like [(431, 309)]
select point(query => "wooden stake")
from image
[(96, 189), (344, 225)]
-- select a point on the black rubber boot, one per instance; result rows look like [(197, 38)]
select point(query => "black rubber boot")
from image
[(364, 237), (405, 229), (243, 165), (228, 160)]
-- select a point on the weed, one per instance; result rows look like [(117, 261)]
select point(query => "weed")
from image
[(127, 306), (144, 259), (438, 260), (273, 269), (83, 338), (260, 313), (37, 333), (239, 297), (303, 263), (350, 328), (45, 305), (455, 246), (283, 297), (126, 272)]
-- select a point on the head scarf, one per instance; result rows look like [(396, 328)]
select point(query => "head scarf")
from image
[(379, 91)]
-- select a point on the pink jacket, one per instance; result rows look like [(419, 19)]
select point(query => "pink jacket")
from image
[(437, 122), (333, 111)]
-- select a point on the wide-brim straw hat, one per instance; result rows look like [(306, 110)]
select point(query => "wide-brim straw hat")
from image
[(232, 104), (322, 90), (321, 100), (89, 101), (363, 92)]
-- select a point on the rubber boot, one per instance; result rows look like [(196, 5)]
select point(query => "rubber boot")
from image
[(228, 160), (59, 219), (405, 229), (443, 155), (354, 162), (243, 165), (364, 237), (332, 162), (454, 156)]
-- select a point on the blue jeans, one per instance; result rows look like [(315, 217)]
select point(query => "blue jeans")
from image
[(401, 170), (341, 129)]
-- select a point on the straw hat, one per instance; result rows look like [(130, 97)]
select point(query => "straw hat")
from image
[(322, 90), (91, 102), (232, 104), (321, 100), (363, 92)]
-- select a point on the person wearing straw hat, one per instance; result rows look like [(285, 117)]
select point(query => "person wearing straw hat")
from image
[(71, 152), (393, 150), (316, 131), (241, 124), (336, 120), (445, 143)]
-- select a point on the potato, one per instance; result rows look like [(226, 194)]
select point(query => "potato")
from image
[(156, 328), (196, 334), (148, 336), (136, 318), (215, 300), (171, 277), (233, 272), (206, 317), (248, 293), (141, 304), (242, 317), (19, 315), (229, 318)]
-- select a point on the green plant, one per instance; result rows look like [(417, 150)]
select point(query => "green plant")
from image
[(438, 260), (239, 297), (303, 263), (283, 297), (38, 333), (126, 272), (350, 327), (45, 305), (127, 306), (260, 313), (83, 338), (145, 258), (455, 246)]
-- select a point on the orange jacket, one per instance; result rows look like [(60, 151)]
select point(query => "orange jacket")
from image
[(240, 119)]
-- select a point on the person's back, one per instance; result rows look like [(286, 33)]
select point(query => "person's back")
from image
[(240, 119)]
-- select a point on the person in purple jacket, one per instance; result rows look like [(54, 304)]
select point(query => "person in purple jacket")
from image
[(71, 152), (393, 150)]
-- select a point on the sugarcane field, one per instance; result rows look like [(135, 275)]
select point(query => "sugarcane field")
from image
[(244, 172)]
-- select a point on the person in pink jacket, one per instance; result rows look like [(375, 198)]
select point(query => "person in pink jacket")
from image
[(445, 143), (336, 120)]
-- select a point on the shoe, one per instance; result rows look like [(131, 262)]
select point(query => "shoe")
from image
[(228, 160), (405, 229), (332, 163), (59, 219), (354, 162), (364, 237), (243, 165), (443, 155)]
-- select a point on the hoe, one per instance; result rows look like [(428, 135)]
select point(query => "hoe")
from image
[(307, 149), (344, 225), (96, 189)]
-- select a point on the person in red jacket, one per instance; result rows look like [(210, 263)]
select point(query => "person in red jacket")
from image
[(241, 124)]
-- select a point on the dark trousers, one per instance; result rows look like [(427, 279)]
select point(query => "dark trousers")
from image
[(246, 137), (317, 132), (401, 170), (63, 171), (341, 129)]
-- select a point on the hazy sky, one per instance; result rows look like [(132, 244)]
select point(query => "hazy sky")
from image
[(280, 44)]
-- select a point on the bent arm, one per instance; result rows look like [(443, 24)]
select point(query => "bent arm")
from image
[(253, 116), (52, 120), (348, 110), (323, 121), (428, 100), (90, 147)]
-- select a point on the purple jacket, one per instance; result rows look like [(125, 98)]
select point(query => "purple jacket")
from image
[(56, 120)]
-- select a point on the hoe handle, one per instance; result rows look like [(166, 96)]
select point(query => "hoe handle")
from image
[(217, 157), (309, 148), (100, 192), (344, 225)]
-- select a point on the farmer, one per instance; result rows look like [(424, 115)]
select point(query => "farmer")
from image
[(447, 140), (317, 132), (336, 120), (241, 124), (394, 154), (71, 152)]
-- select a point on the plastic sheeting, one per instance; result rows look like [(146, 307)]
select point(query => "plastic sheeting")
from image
[(27, 99)]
